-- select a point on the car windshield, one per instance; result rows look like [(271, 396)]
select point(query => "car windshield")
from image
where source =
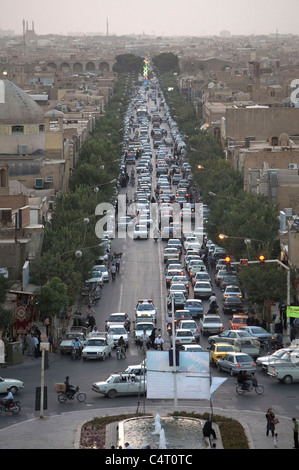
[(96, 342), (120, 331), (224, 348), (142, 326), (118, 318), (258, 330), (143, 307)]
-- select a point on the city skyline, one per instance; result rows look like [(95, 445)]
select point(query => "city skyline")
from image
[(159, 17)]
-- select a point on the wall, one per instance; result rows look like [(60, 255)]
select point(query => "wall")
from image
[(261, 122)]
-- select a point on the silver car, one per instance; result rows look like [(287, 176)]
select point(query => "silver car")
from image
[(234, 362)]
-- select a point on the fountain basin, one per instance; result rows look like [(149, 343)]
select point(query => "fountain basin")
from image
[(179, 432)]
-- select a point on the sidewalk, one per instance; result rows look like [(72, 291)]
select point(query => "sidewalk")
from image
[(63, 431)]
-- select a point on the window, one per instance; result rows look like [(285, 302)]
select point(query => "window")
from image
[(17, 130), (41, 128)]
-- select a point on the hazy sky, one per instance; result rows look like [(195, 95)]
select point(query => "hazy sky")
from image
[(159, 17)]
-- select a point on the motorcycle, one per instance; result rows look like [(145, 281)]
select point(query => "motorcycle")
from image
[(76, 354), (120, 352), (258, 388), (64, 396), (113, 275), (13, 408), (214, 309)]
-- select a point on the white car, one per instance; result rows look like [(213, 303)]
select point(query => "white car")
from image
[(202, 289), (190, 325), (232, 290), (140, 232), (140, 327), (184, 336), (117, 331), (13, 384), (211, 324), (146, 307), (120, 384), (98, 347), (101, 268)]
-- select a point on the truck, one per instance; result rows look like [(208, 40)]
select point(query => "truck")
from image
[(98, 347), (287, 370)]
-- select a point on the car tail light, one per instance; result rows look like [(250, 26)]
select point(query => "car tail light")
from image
[(237, 365), (254, 364), (193, 341)]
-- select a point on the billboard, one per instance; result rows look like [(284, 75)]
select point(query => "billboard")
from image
[(191, 377)]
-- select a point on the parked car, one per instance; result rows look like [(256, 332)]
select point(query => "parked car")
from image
[(218, 350), (234, 362), (120, 384), (101, 268), (210, 324)]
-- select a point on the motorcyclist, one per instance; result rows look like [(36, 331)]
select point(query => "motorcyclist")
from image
[(70, 390), (246, 379), (8, 399), (159, 342), (76, 344), (122, 344), (144, 338)]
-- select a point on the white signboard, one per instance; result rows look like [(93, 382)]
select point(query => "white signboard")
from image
[(192, 376)]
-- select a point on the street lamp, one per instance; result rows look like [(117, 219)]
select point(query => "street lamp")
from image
[(247, 241)]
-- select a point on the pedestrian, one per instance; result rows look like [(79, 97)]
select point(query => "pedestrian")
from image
[(270, 416), (295, 433), (153, 336), (275, 440), (117, 264), (208, 431), (128, 446), (292, 332), (47, 325)]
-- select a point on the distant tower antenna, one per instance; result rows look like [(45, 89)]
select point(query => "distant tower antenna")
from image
[(107, 33)]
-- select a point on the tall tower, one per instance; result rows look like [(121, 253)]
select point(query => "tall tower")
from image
[(107, 29), (24, 40)]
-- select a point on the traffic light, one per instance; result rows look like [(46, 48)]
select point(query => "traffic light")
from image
[(227, 262), (262, 261), (243, 262)]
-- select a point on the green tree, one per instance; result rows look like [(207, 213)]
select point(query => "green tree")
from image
[(6, 316), (128, 63), (52, 298), (166, 62)]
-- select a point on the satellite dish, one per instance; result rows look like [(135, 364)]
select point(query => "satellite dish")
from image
[(211, 85)]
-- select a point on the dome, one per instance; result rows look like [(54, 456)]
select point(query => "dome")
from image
[(16, 107)]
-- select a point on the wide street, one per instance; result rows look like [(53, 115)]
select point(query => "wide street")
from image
[(141, 276)]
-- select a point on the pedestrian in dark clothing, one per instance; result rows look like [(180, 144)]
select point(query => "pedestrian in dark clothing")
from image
[(208, 431), (292, 332), (295, 431), (270, 416), (153, 337)]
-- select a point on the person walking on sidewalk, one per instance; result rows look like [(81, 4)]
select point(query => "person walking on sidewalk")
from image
[(270, 416), (295, 433)]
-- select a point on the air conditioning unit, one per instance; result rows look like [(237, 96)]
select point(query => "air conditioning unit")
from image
[(39, 183), (293, 166)]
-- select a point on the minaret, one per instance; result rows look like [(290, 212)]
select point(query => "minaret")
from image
[(24, 40), (107, 33)]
